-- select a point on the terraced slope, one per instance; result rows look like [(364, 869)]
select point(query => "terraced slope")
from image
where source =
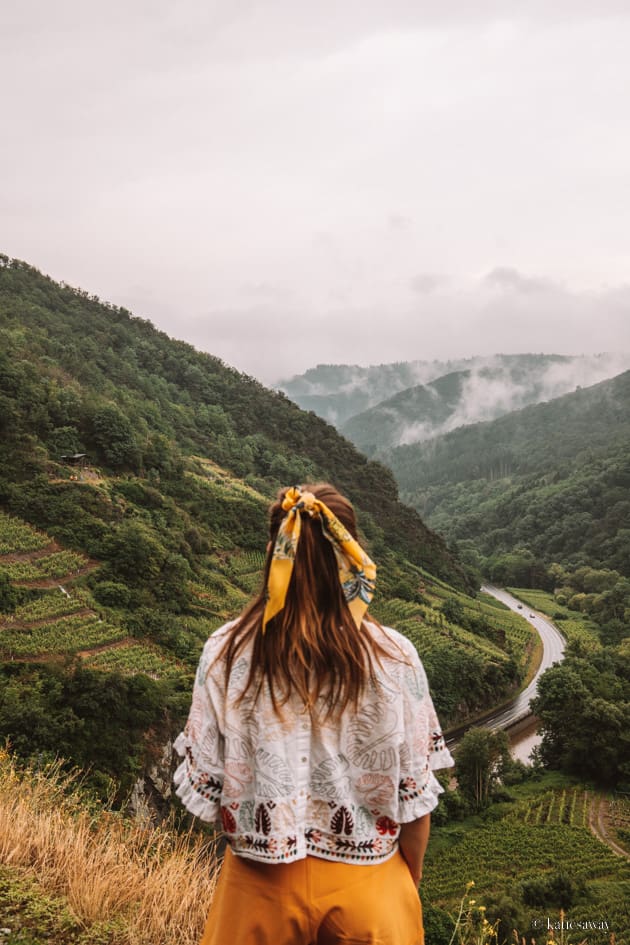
[(531, 857), (57, 616)]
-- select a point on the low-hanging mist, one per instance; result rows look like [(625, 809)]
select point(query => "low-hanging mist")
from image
[(384, 406)]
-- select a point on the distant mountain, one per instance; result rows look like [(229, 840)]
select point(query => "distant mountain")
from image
[(414, 414), (338, 391), (552, 479), (489, 386)]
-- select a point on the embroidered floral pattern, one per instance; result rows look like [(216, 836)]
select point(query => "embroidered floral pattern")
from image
[(342, 821), (369, 850), (285, 788), (237, 776), (375, 788), (202, 783), (331, 778), (385, 825), (437, 742), (410, 789), (372, 747), (263, 820)]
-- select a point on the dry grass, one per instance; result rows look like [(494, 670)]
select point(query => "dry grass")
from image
[(154, 885)]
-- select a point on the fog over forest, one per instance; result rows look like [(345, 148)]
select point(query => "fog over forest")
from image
[(415, 400)]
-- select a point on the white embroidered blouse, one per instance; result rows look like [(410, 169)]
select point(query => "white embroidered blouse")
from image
[(284, 788)]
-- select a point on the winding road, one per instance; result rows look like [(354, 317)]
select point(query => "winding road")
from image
[(553, 652), (518, 709)]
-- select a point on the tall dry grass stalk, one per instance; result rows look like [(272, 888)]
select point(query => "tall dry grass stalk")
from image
[(154, 884)]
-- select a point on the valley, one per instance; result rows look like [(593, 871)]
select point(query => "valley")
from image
[(112, 578)]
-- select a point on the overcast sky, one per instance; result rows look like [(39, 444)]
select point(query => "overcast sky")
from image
[(283, 183)]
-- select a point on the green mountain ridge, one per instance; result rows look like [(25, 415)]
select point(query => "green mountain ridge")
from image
[(121, 390), (460, 399), (336, 392), (413, 414), (113, 575), (383, 406), (551, 479)]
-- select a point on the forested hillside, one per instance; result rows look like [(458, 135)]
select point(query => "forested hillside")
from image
[(412, 415), (550, 481), (114, 570), (540, 499), (79, 376), (564, 433), (339, 391), (387, 405), (491, 388)]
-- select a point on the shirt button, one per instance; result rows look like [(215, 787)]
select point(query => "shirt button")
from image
[(304, 759)]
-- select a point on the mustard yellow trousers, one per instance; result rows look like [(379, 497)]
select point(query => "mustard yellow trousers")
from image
[(314, 902)]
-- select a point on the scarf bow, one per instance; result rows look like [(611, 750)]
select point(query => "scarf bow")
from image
[(357, 571)]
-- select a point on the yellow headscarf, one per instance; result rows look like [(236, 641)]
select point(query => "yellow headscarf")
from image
[(357, 572)]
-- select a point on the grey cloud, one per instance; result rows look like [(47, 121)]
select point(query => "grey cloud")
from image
[(491, 390), (248, 29), (179, 158), (507, 278), (269, 292), (451, 325), (416, 432), (485, 397), (399, 222), (426, 282)]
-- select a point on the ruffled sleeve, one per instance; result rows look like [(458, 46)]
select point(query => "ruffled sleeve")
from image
[(199, 778), (423, 750)]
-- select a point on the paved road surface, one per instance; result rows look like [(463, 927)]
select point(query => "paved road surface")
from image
[(553, 652)]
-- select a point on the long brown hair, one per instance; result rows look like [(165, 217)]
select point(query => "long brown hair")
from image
[(313, 646)]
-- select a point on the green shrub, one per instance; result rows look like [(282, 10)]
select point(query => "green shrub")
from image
[(112, 594), (557, 891), (8, 595)]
